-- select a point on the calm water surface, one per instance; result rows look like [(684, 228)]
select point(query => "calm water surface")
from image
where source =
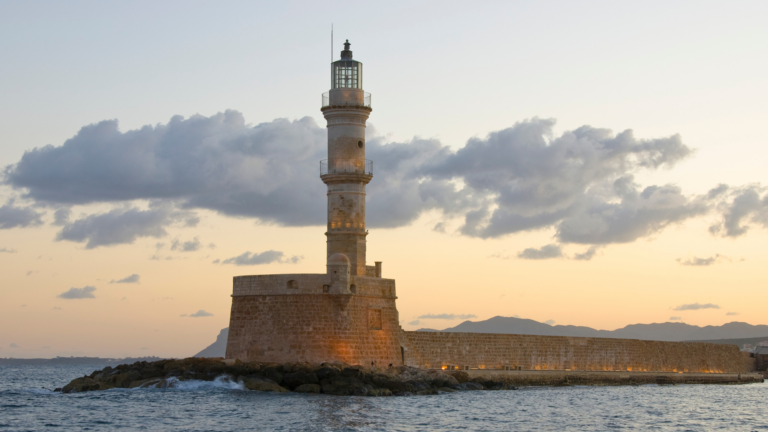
[(222, 406)]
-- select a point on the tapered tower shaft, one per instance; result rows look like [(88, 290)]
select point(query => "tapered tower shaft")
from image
[(346, 108)]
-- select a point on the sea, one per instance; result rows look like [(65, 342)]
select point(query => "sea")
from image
[(27, 403)]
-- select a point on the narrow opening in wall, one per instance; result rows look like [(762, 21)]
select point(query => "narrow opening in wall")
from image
[(292, 284), (353, 288), (326, 288), (360, 144)]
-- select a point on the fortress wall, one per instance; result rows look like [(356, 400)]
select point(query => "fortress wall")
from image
[(314, 328), (307, 283), (493, 351)]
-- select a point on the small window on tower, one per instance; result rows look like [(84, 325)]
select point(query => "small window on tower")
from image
[(292, 284), (360, 144)]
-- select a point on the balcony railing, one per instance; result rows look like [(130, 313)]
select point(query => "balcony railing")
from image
[(351, 99), (346, 166)]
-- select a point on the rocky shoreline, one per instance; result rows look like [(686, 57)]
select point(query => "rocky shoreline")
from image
[(328, 378), (347, 380)]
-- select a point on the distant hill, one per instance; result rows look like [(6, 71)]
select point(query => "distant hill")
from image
[(218, 348), (669, 331)]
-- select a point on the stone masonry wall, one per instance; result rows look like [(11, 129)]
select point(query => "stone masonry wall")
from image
[(494, 351), (315, 328)]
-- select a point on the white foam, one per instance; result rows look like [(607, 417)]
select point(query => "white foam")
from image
[(221, 382)]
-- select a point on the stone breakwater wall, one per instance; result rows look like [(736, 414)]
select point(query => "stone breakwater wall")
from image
[(561, 378), (527, 352)]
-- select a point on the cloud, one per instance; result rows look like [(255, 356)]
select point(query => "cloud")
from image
[(134, 278), (78, 293), (675, 318), (123, 225), (6, 250), (536, 180), (266, 257), (521, 178), (31, 272), (13, 345), (700, 262), (500, 255), (61, 216), (550, 322), (199, 314), (267, 171), (545, 252), (745, 205), (56, 308), (187, 246), (586, 255), (12, 216), (732, 313), (414, 322), (445, 316), (696, 306)]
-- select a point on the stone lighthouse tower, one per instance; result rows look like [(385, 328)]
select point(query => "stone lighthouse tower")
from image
[(346, 108), (347, 313)]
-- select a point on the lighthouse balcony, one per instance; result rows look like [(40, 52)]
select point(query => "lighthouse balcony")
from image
[(346, 166), (346, 98)]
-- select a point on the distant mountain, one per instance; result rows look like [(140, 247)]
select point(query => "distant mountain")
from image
[(669, 331), (218, 348)]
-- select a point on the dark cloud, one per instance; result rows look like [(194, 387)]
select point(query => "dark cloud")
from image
[(741, 206), (187, 246), (732, 313), (414, 322), (266, 257), (675, 318), (696, 306), (587, 254), (6, 250), (700, 262), (545, 252), (12, 216), (448, 316), (78, 293), (199, 314), (134, 278), (13, 345), (123, 225)]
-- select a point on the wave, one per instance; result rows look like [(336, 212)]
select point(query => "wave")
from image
[(223, 382)]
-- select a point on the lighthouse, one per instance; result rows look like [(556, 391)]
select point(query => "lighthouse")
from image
[(346, 172), (347, 313)]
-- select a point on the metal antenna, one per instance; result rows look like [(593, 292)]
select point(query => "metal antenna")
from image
[(331, 42)]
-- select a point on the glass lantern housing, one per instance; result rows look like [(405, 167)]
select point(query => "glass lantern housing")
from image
[(346, 73)]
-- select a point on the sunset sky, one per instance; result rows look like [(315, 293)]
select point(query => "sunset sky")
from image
[(587, 163)]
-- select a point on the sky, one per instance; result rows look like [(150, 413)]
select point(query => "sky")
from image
[(590, 163)]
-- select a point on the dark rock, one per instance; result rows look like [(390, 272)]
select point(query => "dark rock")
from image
[(273, 374), (460, 376), (57, 389), (403, 393), (326, 372), (295, 379), (360, 391), (471, 386), (444, 380), (341, 385), (307, 388), (258, 383), (428, 391)]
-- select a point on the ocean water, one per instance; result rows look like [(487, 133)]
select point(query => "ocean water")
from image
[(224, 406)]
